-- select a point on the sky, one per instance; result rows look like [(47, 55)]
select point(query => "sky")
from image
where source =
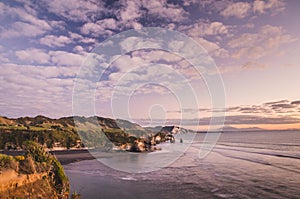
[(253, 46)]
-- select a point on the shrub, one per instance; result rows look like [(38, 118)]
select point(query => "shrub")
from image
[(58, 170), (36, 151), (75, 195), (27, 166), (60, 180), (37, 159), (42, 167), (8, 162), (20, 158)]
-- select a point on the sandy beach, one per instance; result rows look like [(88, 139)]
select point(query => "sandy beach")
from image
[(64, 156), (70, 156)]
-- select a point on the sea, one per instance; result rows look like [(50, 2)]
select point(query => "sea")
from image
[(257, 164)]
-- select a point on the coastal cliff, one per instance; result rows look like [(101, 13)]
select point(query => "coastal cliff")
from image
[(82, 132), (37, 174)]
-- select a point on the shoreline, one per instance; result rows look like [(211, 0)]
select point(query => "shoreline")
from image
[(68, 156), (64, 156)]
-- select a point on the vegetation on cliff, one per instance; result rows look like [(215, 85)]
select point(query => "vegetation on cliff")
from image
[(78, 132), (37, 174)]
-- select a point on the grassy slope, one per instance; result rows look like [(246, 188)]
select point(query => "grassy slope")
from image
[(93, 130)]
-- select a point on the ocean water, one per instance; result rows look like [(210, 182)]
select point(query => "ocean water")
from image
[(241, 165)]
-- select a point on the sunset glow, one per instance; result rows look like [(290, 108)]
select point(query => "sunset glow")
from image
[(254, 44)]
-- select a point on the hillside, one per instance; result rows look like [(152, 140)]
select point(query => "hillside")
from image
[(63, 132), (46, 131), (81, 132), (133, 128)]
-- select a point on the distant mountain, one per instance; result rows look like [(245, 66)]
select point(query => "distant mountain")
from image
[(230, 128), (154, 129), (128, 125), (293, 129), (133, 128)]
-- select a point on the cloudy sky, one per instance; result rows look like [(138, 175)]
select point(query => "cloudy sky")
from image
[(255, 45)]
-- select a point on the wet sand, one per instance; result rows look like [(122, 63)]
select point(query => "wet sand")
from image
[(70, 156), (64, 156)]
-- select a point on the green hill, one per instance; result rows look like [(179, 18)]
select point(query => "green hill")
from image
[(94, 132)]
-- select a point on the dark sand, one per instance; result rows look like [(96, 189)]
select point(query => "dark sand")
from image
[(70, 156), (64, 156)]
